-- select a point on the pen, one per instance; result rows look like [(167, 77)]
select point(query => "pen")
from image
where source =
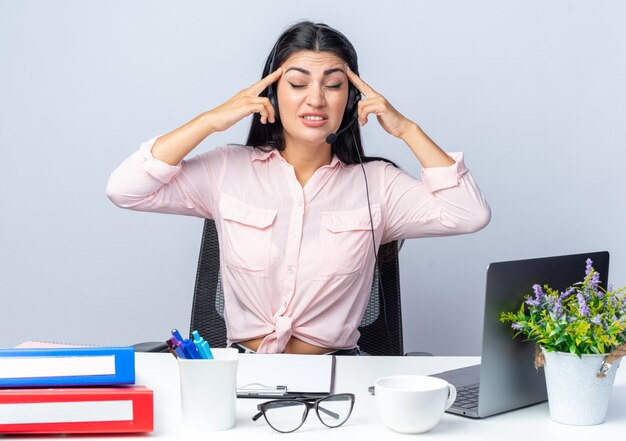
[(177, 335), (191, 349), (181, 350), (176, 352), (202, 345), (178, 344)]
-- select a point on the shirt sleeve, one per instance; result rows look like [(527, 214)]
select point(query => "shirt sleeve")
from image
[(446, 201), (144, 183)]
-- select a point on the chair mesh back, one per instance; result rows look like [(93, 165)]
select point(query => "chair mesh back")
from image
[(381, 325), (205, 317)]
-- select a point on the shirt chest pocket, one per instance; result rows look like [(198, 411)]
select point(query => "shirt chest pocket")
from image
[(346, 241), (246, 235)]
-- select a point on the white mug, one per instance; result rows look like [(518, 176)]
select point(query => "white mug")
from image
[(413, 403)]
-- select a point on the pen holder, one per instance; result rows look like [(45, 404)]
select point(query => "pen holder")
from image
[(208, 391)]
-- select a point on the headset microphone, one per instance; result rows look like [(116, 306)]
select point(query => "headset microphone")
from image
[(332, 137)]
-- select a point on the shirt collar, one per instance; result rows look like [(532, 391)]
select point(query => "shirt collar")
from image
[(260, 155), (335, 161)]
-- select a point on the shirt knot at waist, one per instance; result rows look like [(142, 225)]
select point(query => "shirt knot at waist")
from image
[(276, 341)]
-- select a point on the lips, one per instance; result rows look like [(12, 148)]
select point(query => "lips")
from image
[(313, 119)]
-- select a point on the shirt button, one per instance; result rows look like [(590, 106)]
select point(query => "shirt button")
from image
[(294, 234), (299, 203), (290, 271)]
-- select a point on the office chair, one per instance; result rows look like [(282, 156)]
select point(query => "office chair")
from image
[(381, 326)]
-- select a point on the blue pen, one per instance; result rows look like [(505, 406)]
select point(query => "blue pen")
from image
[(191, 349), (177, 335), (184, 352), (202, 345)]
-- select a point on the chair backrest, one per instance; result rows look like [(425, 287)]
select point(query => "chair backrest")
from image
[(381, 326)]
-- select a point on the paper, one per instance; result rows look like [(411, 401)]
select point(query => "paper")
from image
[(285, 373), (46, 344)]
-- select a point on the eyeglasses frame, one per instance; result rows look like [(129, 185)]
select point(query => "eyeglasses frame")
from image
[(310, 403)]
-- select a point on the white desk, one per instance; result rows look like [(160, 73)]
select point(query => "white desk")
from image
[(354, 374)]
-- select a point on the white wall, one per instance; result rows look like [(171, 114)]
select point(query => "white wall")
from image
[(532, 91)]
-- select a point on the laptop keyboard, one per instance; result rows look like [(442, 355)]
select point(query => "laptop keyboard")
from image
[(467, 397)]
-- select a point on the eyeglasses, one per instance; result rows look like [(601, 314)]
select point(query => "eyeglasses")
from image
[(288, 415)]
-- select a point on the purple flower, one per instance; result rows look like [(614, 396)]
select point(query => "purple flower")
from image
[(595, 281), (582, 305), (516, 326), (557, 309), (568, 292), (539, 296), (596, 320), (589, 267), (595, 277)]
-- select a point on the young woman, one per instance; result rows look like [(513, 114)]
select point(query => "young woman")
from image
[(299, 218)]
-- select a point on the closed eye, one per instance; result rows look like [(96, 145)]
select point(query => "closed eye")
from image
[(300, 86)]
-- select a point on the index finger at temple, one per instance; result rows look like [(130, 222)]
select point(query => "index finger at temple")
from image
[(359, 83), (266, 81)]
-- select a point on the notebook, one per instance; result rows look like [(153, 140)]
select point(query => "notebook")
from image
[(506, 379), (284, 375)]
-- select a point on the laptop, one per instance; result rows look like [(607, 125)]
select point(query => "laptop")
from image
[(506, 379)]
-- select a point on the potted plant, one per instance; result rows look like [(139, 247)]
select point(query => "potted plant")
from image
[(580, 335)]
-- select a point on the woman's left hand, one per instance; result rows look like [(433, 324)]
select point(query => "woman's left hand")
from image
[(389, 118)]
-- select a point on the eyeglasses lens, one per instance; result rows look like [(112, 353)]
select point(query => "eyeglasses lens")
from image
[(335, 410), (285, 416)]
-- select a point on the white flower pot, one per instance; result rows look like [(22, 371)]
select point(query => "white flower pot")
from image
[(576, 395)]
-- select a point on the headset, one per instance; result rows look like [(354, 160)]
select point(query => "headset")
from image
[(352, 113)]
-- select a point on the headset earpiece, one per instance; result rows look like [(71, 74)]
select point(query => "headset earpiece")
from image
[(271, 89), (352, 106)]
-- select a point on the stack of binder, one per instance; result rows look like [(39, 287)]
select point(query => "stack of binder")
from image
[(72, 390)]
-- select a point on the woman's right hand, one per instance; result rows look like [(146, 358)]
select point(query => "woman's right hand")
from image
[(245, 103), (174, 146)]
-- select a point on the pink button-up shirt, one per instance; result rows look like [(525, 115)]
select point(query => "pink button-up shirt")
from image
[(299, 261)]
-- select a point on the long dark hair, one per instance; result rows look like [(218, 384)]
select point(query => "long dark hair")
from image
[(317, 37)]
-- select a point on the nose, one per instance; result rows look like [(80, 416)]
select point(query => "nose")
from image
[(316, 97)]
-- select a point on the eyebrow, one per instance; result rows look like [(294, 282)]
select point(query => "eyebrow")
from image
[(326, 72)]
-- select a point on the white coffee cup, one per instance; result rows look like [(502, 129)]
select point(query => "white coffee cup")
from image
[(413, 403), (209, 391)]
